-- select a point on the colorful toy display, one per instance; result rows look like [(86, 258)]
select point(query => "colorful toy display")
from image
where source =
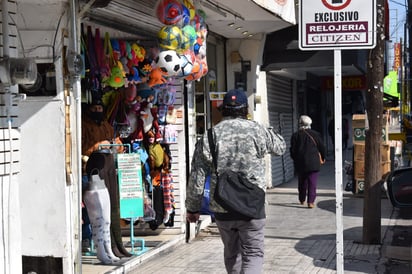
[(136, 84)]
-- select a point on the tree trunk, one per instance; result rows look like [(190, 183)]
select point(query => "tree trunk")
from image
[(374, 108)]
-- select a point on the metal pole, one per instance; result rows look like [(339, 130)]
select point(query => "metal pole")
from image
[(338, 161), (74, 46)]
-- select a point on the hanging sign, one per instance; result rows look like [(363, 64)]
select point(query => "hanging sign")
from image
[(397, 60), (337, 24), (129, 172)]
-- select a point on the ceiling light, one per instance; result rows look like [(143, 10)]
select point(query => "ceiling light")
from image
[(231, 25), (245, 32), (238, 28), (250, 35)]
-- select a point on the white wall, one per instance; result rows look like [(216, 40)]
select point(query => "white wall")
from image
[(10, 249), (49, 204), (250, 50), (42, 178)]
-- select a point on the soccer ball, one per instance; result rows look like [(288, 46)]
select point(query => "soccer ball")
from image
[(190, 33), (186, 66), (184, 45), (170, 37), (169, 62)]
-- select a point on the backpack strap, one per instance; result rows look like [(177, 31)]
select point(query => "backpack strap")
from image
[(212, 148)]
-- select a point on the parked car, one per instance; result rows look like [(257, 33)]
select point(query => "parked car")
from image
[(398, 187)]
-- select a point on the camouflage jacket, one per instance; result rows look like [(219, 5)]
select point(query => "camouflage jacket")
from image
[(241, 145)]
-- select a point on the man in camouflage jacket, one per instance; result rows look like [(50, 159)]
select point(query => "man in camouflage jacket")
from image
[(240, 146)]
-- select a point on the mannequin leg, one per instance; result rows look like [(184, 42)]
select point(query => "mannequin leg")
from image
[(98, 205)]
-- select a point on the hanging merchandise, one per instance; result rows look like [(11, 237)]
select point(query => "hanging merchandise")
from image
[(103, 63), (136, 85), (169, 62), (116, 77), (182, 41), (190, 33), (168, 196), (92, 78), (137, 147), (149, 213), (156, 77), (170, 37), (169, 134), (196, 72), (169, 12), (186, 66)]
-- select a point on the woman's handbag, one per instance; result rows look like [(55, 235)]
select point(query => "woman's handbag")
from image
[(235, 193), (316, 144)]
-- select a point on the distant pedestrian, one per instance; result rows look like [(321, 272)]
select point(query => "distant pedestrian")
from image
[(305, 146), (240, 146), (331, 131), (345, 132)]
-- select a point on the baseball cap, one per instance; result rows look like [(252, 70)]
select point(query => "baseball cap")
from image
[(235, 98)]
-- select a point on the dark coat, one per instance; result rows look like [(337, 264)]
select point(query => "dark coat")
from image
[(304, 152)]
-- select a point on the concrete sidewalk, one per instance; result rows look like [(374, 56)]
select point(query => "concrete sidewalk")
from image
[(302, 240)]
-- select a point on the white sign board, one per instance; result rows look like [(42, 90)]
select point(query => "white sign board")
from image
[(337, 24)]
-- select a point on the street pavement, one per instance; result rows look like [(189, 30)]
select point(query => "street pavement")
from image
[(297, 239), (303, 240)]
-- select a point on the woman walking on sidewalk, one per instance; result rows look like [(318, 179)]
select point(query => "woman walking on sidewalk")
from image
[(307, 150)]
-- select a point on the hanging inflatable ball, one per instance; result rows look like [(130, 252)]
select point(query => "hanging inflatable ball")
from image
[(169, 12), (190, 32), (186, 66), (184, 45), (196, 72), (190, 6), (169, 62), (190, 55), (185, 15), (170, 37)]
